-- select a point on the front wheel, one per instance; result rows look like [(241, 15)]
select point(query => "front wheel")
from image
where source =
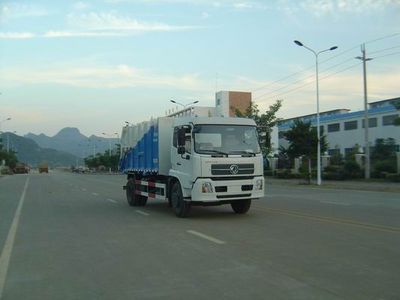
[(241, 206), (180, 206)]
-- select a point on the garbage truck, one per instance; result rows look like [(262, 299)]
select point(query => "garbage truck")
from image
[(192, 160)]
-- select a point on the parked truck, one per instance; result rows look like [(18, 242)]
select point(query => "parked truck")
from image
[(192, 161), (21, 168)]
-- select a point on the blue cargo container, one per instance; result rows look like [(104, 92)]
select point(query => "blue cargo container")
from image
[(144, 145)]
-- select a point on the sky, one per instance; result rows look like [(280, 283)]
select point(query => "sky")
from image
[(96, 64)]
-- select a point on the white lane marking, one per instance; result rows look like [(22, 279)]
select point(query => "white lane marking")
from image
[(111, 200), (95, 194), (335, 203), (8, 246), (142, 213), (83, 189), (207, 237)]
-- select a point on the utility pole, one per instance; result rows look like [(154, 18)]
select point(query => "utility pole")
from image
[(366, 121)]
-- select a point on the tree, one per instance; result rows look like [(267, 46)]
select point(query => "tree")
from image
[(303, 141), (384, 149), (383, 157), (105, 159), (265, 122), (9, 157)]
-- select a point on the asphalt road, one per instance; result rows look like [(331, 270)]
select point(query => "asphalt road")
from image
[(71, 236)]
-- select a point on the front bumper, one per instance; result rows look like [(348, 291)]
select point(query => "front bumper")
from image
[(226, 190)]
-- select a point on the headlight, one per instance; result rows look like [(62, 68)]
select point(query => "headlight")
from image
[(259, 184), (207, 187)]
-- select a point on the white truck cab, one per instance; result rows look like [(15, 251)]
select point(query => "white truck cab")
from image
[(217, 159)]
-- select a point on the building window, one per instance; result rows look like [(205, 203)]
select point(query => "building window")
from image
[(333, 152), (218, 102), (333, 127), (348, 151), (321, 128), (350, 125), (372, 122), (388, 120)]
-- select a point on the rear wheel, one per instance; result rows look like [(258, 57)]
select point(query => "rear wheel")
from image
[(142, 200), (241, 206), (180, 206), (131, 197)]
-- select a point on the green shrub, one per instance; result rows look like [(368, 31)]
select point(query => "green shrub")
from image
[(334, 172), (282, 173), (383, 166), (393, 177), (352, 169), (334, 176), (333, 168), (5, 171), (268, 172), (286, 174)]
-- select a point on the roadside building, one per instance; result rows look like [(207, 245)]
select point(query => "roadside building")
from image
[(345, 129)]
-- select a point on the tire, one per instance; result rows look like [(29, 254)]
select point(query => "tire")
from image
[(180, 206), (241, 206), (131, 197)]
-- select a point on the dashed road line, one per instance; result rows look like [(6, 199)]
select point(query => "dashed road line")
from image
[(95, 194), (84, 190), (335, 203), (8, 246), (207, 237), (111, 200), (142, 213)]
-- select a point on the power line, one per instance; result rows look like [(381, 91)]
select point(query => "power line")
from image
[(286, 77), (394, 53), (302, 79), (308, 83), (386, 49), (325, 77), (383, 38), (302, 71), (328, 59), (345, 69)]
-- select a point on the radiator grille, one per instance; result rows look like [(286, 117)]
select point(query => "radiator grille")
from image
[(232, 169)]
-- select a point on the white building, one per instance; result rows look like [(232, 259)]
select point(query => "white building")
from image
[(345, 129)]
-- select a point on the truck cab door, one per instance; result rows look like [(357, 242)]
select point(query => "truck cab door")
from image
[(181, 155)]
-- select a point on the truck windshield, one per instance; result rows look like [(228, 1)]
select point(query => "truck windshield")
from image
[(225, 139)]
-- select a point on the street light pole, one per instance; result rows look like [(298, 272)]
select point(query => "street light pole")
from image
[(318, 119), (364, 59)]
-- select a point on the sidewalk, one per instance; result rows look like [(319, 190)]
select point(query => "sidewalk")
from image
[(377, 186)]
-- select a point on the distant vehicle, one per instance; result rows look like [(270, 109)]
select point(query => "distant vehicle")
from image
[(21, 168), (193, 160), (80, 169), (43, 167)]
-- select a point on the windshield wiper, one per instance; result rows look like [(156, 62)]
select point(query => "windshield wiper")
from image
[(215, 151), (244, 153)]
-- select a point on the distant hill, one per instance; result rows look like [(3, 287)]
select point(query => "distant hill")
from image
[(71, 140), (28, 151)]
